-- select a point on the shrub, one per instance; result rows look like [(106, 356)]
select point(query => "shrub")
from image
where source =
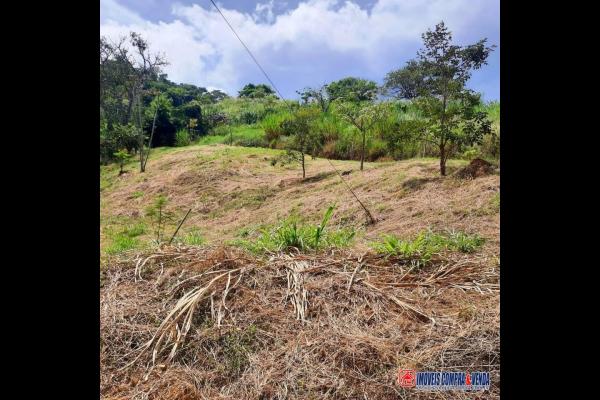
[(470, 154)]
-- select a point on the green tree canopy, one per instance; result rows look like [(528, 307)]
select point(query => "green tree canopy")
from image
[(352, 89), (256, 91), (437, 81)]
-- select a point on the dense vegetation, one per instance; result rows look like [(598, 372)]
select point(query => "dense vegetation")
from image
[(422, 109)]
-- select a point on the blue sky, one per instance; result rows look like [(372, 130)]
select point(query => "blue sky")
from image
[(300, 42)]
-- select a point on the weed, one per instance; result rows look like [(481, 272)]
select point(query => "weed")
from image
[(428, 243), (291, 235), (237, 345), (193, 238)]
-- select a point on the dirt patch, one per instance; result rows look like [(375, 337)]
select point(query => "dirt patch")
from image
[(417, 183), (311, 179), (475, 169)]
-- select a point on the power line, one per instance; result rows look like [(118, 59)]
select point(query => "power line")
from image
[(248, 50), (370, 218)]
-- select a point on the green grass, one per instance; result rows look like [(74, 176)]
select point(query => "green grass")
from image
[(125, 239), (428, 243), (243, 135), (293, 235), (193, 238)]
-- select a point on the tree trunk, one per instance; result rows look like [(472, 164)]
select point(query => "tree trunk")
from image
[(362, 152), (303, 169), (150, 143), (443, 160)]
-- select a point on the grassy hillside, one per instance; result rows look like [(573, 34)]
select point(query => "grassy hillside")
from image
[(234, 192), (238, 319)]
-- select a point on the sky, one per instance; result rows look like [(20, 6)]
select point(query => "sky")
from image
[(300, 43)]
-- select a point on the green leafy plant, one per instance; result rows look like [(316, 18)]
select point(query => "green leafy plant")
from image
[(426, 244), (291, 235)]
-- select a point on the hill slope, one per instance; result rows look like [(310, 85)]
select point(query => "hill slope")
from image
[(234, 191), (215, 321)]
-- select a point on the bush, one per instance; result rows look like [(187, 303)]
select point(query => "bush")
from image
[(470, 154), (182, 138)]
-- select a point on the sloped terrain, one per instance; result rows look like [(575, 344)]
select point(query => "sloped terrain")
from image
[(236, 190), (214, 321)]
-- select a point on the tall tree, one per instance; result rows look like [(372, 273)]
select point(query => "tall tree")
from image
[(437, 80), (125, 68)]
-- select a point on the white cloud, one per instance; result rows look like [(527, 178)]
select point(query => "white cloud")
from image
[(202, 50)]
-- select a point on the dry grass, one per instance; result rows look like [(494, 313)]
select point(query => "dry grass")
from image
[(216, 323), (231, 188)]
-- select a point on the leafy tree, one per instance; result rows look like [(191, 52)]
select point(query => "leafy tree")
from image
[(363, 116), (304, 139), (125, 68), (352, 89), (437, 80), (318, 95), (405, 83), (256, 91)]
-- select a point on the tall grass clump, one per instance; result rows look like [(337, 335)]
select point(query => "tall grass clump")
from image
[(273, 124), (182, 138), (290, 235)]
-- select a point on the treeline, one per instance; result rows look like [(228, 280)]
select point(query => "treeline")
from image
[(422, 109), (139, 107)]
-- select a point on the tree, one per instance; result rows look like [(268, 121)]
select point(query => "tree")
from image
[(304, 139), (256, 91), (437, 79), (363, 116), (318, 95), (352, 89), (122, 155), (405, 83), (159, 113), (125, 68)]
